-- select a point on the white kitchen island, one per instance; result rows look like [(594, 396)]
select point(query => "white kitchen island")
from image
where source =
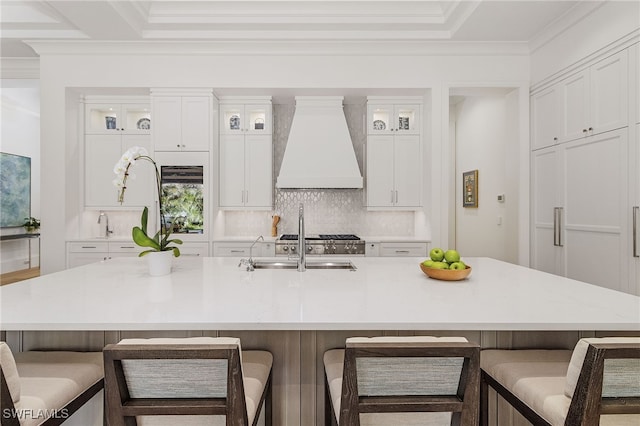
[(382, 294), (298, 315)]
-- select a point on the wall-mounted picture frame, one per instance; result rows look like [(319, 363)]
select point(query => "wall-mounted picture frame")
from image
[(470, 189)]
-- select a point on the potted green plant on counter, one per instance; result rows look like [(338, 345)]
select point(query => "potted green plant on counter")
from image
[(158, 246), (31, 224)]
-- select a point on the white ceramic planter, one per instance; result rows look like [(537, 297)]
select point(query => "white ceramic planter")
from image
[(160, 263)]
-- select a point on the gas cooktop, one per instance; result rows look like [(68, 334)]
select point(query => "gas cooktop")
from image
[(294, 237)]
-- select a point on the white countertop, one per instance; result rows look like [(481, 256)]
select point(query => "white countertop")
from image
[(383, 294)]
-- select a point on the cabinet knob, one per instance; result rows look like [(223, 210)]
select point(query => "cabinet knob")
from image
[(555, 139), (584, 130), (591, 129)]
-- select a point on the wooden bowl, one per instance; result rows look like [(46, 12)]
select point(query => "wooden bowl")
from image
[(446, 274)]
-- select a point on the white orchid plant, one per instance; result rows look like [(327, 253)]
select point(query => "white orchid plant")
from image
[(160, 241)]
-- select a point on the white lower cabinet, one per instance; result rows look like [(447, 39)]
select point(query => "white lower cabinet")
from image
[(243, 249), (84, 252), (581, 212), (396, 249), (194, 249)]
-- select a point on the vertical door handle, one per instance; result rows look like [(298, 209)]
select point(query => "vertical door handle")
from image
[(635, 231), (555, 226), (560, 214), (396, 196), (392, 196), (242, 196)]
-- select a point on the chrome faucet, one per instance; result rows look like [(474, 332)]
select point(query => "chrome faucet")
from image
[(107, 231), (302, 249), (249, 262)]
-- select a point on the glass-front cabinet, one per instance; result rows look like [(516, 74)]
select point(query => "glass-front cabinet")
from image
[(384, 116), (249, 118), (109, 118)]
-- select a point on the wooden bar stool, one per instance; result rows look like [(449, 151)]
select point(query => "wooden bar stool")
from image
[(191, 381), (403, 381)]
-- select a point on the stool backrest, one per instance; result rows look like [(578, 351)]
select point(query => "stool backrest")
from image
[(410, 374), (603, 378), (147, 377)]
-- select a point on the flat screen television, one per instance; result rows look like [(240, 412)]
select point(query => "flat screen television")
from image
[(15, 189)]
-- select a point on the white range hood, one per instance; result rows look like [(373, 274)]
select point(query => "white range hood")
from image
[(319, 152)]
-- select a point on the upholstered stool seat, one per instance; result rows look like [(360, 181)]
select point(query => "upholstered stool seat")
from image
[(541, 384), (190, 381), (47, 386), (390, 381)]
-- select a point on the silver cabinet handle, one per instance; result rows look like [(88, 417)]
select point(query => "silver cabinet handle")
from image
[(190, 254), (560, 213), (237, 251), (242, 196), (635, 231), (557, 226), (402, 251), (392, 196), (396, 197)]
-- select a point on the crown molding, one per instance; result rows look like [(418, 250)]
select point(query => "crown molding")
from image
[(270, 48), (20, 68)]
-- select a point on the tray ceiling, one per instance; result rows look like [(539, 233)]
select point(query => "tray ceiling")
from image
[(363, 21)]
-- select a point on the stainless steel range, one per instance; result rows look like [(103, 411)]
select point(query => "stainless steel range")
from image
[(322, 244)]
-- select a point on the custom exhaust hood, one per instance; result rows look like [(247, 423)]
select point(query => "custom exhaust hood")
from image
[(319, 152)]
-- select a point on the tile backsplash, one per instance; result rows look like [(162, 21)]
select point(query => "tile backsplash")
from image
[(326, 210)]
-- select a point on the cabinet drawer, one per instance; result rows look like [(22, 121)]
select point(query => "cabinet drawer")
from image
[(403, 249), (124, 247), (232, 249), (88, 247), (191, 249)]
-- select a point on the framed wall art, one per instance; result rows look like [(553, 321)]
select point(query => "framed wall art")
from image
[(15, 190), (470, 189)]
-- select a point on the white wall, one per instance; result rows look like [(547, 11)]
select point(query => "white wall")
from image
[(20, 135), (484, 141)]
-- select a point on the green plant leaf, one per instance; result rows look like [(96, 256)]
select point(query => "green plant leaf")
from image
[(176, 251), (143, 240), (144, 219), (145, 252)]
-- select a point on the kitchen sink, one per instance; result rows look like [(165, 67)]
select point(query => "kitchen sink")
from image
[(288, 264)]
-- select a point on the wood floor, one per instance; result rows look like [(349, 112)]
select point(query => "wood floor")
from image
[(24, 274)]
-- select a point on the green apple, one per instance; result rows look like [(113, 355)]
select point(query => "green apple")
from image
[(436, 254), (452, 256), (457, 266), (428, 263), (440, 265)]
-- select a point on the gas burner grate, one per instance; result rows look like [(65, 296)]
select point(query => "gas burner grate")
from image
[(339, 237)]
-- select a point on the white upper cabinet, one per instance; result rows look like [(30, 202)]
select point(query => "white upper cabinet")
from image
[(609, 94), (390, 118), (238, 118), (546, 118), (113, 117), (112, 126), (183, 123), (246, 154), (586, 103), (394, 171), (394, 154)]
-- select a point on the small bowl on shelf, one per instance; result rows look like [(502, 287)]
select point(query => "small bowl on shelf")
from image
[(446, 274)]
